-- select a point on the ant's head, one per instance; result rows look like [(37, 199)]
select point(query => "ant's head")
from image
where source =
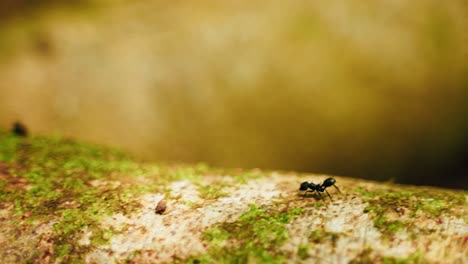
[(329, 182), (304, 186)]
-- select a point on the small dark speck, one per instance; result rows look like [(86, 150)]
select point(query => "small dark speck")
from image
[(161, 207), (19, 129)]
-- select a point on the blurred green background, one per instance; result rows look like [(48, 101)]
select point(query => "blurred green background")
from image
[(371, 89)]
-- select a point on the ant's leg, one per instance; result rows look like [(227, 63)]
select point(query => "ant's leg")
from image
[(321, 197), (336, 187), (329, 195)]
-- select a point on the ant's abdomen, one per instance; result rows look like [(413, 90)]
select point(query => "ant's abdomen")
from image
[(329, 182), (304, 186)]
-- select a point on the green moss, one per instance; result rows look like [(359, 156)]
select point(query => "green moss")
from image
[(303, 252), (75, 185), (382, 222), (255, 236), (321, 236), (415, 258), (213, 191), (364, 257), (435, 207), (407, 200), (8, 146), (243, 176), (183, 173), (50, 179), (216, 236), (365, 193), (63, 250)]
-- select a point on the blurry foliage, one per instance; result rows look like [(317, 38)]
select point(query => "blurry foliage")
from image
[(13, 8), (363, 88)]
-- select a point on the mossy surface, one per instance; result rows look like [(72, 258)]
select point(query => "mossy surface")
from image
[(52, 178), (409, 202), (367, 256), (61, 201), (415, 258), (213, 191), (73, 186), (321, 236), (255, 236)]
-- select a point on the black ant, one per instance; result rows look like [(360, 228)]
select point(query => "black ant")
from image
[(19, 129), (311, 187)]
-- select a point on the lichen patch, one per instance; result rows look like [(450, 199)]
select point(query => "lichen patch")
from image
[(341, 232), (176, 233)]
